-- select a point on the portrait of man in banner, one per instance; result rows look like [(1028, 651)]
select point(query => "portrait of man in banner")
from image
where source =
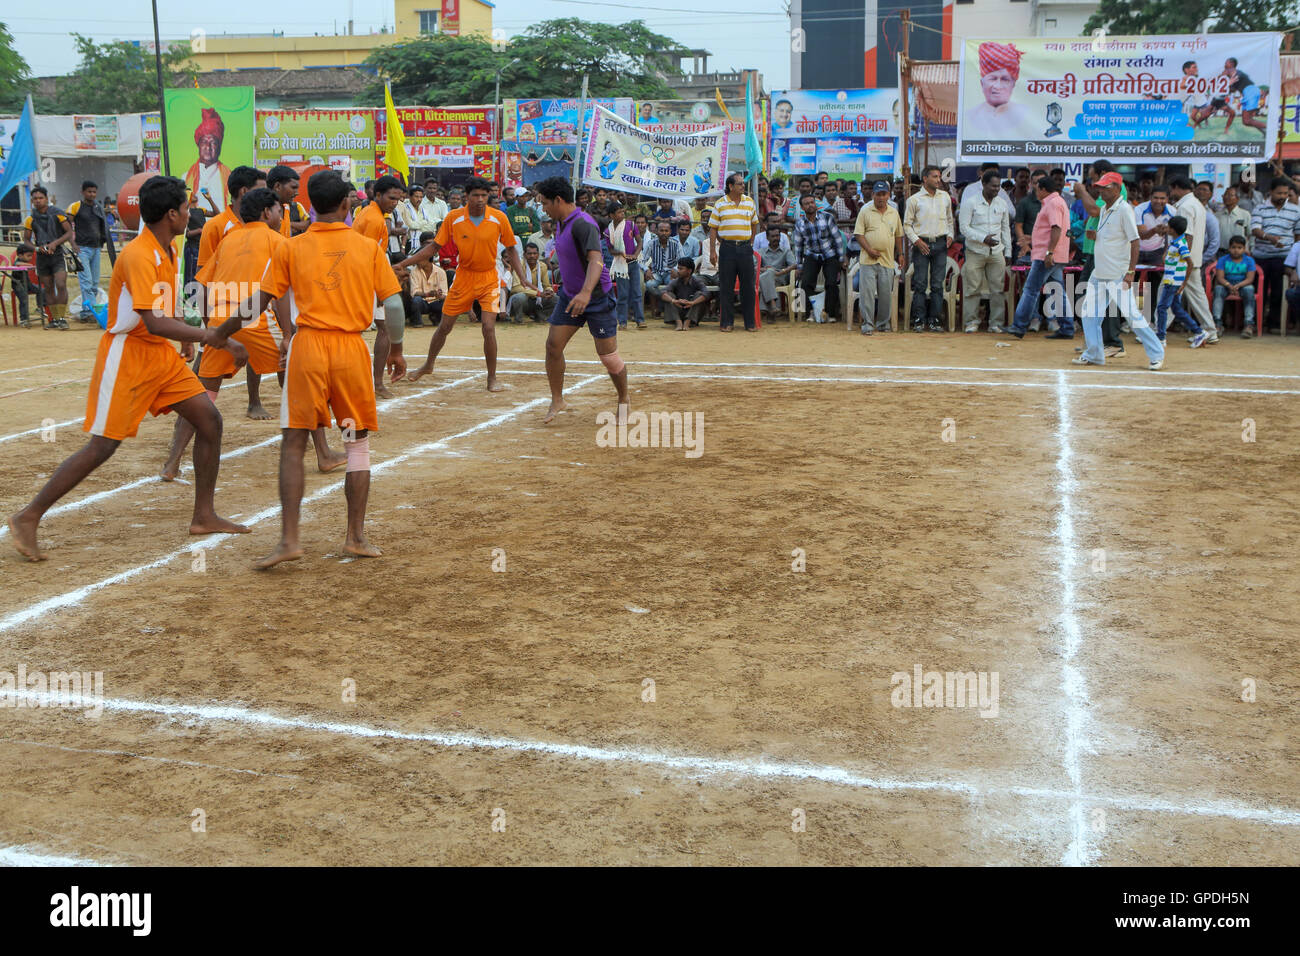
[(997, 117), (209, 172)]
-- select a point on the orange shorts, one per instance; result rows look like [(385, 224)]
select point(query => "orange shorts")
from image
[(470, 287), (263, 354), (328, 371), (134, 376)]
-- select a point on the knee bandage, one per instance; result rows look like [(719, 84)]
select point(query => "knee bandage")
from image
[(212, 395), (613, 362), (395, 319), (358, 454)]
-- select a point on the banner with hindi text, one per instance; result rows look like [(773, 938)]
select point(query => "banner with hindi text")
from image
[(849, 134), (677, 165)]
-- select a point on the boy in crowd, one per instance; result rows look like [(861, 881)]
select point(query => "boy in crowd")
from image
[(1177, 259), (1236, 272)]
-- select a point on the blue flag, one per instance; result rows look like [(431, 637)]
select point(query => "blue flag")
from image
[(753, 149), (22, 161)]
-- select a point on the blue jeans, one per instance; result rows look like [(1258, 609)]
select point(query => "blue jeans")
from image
[(630, 298), (1038, 277), (1101, 296), (1171, 297), (88, 279)]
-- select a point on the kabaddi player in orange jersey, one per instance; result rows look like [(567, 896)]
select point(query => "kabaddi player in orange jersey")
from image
[(283, 181), (233, 274), (240, 181), (335, 274), (477, 229), (370, 223), (138, 370)]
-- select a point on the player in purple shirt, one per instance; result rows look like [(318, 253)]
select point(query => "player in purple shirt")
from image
[(586, 294)]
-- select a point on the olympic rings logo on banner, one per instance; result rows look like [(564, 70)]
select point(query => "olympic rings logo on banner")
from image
[(661, 154)]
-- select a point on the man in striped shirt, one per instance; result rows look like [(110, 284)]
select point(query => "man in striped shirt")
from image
[(1275, 226), (734, 222)]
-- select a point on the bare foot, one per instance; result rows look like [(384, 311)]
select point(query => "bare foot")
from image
[(170, 471), (419, 373), (23, 531), (361, 549), (333, 463), (555, 409), (382, 390), (282, 552), (258, 414), (494, 386), (214, 524)]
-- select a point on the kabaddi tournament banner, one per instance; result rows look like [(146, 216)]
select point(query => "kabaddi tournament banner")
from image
[(458, 138), (685, 116), (1169, 99), (343, 140), (554, 122), (851, 134), (677, 165), (209, 132)]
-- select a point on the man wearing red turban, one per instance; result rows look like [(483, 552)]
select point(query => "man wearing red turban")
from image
[(997, 118), (209, 173)]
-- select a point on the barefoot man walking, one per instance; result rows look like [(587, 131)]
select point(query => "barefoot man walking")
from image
[(138, 370), (586, 294), (335, 274), (478, 230)]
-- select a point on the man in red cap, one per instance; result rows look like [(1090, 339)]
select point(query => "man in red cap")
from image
[(208, 174), (997, 118)]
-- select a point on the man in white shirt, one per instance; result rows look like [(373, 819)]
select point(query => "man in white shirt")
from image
[(1110, 286), (928, 226), (1234, 219), (986, 225), (761, 240), (1181, 190)]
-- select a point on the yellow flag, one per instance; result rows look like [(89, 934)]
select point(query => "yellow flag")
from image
[(395, 154), (721, 105)]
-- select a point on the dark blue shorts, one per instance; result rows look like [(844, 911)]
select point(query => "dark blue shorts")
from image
[(600, 316)]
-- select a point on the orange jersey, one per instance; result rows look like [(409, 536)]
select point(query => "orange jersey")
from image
[(477, 245), (370, 223), (335, 274), (144, 278), (239, 269), (286, 221), (214, 230)]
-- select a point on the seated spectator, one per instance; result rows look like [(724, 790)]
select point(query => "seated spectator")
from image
[(448, 255), (658, 258), (701, 232), (1236, 273), (428, 288), (665, 211), (776, 264), (23, 283), (525, 301), (691, 247), (684, 297), (772, 219)]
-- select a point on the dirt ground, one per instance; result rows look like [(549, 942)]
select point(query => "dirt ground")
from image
[(1101, 539)]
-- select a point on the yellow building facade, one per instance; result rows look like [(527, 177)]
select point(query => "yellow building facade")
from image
[(412, 19)]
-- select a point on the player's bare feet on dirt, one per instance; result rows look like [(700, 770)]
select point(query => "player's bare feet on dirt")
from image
[(382, 390), (495, 386), (283, 552), (419, 373), (258, 414), (361, 549), (215, 524), (334, 463), (23, 534), (170, 471), (555, 409)]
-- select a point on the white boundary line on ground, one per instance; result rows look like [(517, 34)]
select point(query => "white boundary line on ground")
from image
[(134, 756), (31, 368), (206, 542), (226, 456), (1073, 686), (27, 856), (687, 764), (882, 368)]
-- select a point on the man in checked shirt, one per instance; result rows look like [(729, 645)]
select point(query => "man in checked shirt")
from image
[(819, 249)]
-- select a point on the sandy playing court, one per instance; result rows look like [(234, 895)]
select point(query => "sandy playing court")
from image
[(1102, 541)]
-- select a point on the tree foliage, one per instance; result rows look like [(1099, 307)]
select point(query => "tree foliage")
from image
[(117, 77), (1156, 17), (549, 59), (15, 77)]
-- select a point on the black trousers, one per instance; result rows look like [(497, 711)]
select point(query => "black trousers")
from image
[(735, 261), (829, 269), (1274, 284)]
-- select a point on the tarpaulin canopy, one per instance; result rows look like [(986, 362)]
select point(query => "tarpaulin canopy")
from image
[(935, 83), (1291, 74)]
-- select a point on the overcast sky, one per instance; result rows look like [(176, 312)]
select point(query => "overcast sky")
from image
[(739, 33)]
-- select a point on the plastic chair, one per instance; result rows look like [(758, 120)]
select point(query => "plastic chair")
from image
[(951, 277), (1236, 297)]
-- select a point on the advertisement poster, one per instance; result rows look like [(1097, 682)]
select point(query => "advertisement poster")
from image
[(94, 133), (1174, 99), (677, 165), (449, 21), (8, 126), (209, 132), (151, 137), (1289, 144), (855, 131), (687, 116), (343, 140), (555, 122), (424, 126)]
